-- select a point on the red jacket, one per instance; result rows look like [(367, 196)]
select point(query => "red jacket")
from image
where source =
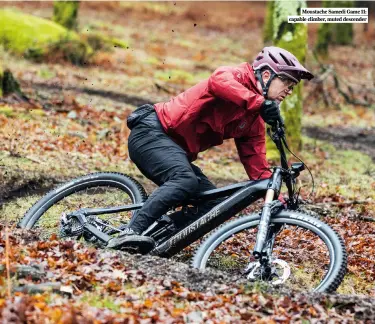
[(224, 106)]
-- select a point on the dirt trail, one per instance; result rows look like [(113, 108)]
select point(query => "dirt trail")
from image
[(346, 138), (217, 282), (114, 96), (154, 270)]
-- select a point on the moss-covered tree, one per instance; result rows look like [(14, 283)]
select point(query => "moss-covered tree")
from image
[(293, 38), (268, 23), (1, 80), (339, 34), (8, 83), (65, 13)]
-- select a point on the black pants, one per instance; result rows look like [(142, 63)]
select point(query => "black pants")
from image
[(165, 163)]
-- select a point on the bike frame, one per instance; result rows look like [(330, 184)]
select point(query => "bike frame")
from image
[(239, 196)]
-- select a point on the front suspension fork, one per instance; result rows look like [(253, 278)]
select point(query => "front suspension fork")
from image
[(261, 250)]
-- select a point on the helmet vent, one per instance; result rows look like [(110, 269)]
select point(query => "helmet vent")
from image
[(286, 60), (273, 58)]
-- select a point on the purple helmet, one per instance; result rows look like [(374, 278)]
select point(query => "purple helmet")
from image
[(281, 62)]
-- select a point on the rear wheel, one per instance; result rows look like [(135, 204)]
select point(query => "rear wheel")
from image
[(307, 255), (96, 190)]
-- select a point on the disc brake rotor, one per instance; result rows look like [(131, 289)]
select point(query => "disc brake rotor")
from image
[(280, 271)]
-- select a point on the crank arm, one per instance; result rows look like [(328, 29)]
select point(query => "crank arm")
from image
[(94, 231), (80, 215)]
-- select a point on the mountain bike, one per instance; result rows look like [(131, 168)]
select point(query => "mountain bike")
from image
[(280, 245)]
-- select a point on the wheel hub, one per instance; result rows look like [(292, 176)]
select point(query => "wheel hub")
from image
[(277, 274)]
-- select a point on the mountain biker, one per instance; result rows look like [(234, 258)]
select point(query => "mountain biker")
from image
[(234, 102)]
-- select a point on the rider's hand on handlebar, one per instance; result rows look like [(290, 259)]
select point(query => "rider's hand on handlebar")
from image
[(270, 112), (281, 122)]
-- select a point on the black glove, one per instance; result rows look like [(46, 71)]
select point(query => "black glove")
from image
[(270, 112)]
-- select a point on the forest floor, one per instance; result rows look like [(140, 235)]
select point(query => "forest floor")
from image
[(74, 124)]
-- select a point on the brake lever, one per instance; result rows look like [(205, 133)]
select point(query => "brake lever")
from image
[(279, 128)]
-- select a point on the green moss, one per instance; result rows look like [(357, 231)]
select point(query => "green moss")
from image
[(346, 172), (201, 76), (100, 301), (101, 42), (185, 43), (153, 60), (119, 43), (23, 33), (7, 111), (291, 110), (30, 172), (65, 13), (160, 8), (34, 37), (353, 284), (46, 73), (351, 115)]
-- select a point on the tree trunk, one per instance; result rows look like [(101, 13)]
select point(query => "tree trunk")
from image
[(338, 34), (1, 80), (342, 34), (268, 24), (324, 39), (65, 13), (293, 38), (8, 84)]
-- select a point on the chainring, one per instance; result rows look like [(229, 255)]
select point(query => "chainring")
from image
[(71, 227)]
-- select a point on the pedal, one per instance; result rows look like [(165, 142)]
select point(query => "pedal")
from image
[(138, 243)]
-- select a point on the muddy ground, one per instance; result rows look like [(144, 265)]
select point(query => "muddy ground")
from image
[(348, 138)]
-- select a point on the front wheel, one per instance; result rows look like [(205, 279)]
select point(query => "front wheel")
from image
[(308, 255)]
